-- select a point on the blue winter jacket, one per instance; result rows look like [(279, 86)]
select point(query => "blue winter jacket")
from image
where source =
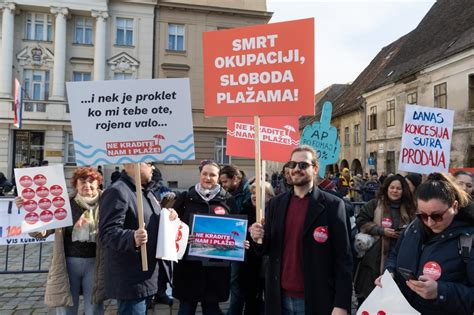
[(456, 283)]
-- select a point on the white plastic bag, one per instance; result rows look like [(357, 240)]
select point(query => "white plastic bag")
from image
[(172, 238), (388, 299)]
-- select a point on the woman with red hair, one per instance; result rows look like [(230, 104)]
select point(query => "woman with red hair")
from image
[(76, 265)]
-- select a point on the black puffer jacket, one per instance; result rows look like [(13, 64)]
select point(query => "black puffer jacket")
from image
[(196, 280)]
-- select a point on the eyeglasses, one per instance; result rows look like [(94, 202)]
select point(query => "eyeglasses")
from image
[(436, 217), (301, 165)]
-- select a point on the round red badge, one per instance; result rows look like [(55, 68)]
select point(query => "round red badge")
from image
[(60, 214), (42, 191), (387, 222), (46, 216), (31, 218), (44, 203), (58, 202), (28, 193), (26, 181), (56, 190), (321, 234), (39, 179), (432, 269), (30, 205), (219, 210)]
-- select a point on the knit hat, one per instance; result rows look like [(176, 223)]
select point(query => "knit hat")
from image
[(327, 184), (415, 179)]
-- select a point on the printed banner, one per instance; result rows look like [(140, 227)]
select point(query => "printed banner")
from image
[(426, 140), (262, 70), (46, 201), (10, 225), (126, 121), (323, 138), (278, 137), (218, 237)]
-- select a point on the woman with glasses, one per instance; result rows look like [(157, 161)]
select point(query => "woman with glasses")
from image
[(202, 280), (433, 260), (383, 218)]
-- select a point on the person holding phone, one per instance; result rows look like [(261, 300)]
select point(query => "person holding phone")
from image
[(433, 260)]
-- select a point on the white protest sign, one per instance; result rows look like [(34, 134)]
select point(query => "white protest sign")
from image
[(426, 140), (46, 202), (126, 121), (10, 225)]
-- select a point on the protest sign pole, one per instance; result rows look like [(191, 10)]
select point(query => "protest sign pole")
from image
[(258, 172), (262, 188), (141, 220)]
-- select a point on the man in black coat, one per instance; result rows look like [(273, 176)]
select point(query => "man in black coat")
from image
[(305, 236), (121, 239)]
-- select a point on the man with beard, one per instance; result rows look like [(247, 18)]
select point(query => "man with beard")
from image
[(232, 180), (305, 236)]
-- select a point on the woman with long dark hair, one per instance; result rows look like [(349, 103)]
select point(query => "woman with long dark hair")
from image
[(383, 218), (436, 249)]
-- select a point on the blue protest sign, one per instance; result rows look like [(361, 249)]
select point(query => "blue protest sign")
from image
[(323, 138)]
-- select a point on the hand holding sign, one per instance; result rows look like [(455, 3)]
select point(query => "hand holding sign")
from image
[(323, 138)]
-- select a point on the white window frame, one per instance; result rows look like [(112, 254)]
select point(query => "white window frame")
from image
[(81, 75), (220, 151), (69, 153), (122, 76), (31, 85), (87, 26), (356, 134), (390, 113), (126, 28), (33, 21), (176, 31), (347, 136)]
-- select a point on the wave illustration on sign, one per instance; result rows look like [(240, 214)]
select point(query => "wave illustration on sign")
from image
[(89, 155)]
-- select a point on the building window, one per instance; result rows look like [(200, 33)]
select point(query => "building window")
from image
[(471, 91), (81, 76), (70, 155), (122, 76), (390, 160), (441, 95), (83, 30), (220, 151), (347, 135), (412, 98), (471, 157), (176, 37), (391, 113), (36, 83), (372, 118), (356, 134), (124, 32), (39, 26)]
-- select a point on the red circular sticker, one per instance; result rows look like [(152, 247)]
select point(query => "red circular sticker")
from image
[(39, 179), (320, 234), (30, 205), (387, 222), (44, 203), (381, 313), (26, 181), (56, 190), (58, 202), (42, 192), (31, 218), (432, 269), (28, 193), (219, 210), (364, 313), (46, 216), (60, 214)]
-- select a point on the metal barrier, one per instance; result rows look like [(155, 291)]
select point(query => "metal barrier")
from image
[(21, 259)]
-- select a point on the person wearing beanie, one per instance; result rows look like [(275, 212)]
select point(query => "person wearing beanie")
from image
[(413, 180)]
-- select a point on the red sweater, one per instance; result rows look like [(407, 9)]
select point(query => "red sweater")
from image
[(292, 280)]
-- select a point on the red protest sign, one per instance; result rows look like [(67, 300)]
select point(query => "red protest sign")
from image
[(278, 137), (263, 70)]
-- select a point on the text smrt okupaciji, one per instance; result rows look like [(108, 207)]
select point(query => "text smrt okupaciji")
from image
[(125, 112)]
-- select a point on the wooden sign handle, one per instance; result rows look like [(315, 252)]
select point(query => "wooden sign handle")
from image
[(141, 219)]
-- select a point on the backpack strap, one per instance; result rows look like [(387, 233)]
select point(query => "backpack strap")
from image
[(465, 245)]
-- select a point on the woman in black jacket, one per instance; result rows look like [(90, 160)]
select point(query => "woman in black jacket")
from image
[(202, 280), (437, 249)]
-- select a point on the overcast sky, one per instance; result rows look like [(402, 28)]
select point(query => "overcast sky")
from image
[(348, 34)]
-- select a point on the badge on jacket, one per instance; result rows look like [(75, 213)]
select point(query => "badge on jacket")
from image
[(387, 222), (321, 234), (432, 269), (219, 210)]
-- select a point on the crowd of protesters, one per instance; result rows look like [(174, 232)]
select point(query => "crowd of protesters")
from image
[(302, 259)]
